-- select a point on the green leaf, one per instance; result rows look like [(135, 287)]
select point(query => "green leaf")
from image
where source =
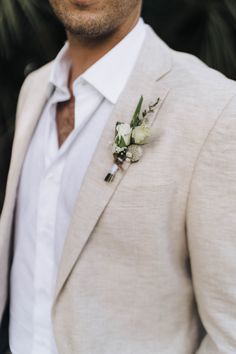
[(121, 142), (135, 120)]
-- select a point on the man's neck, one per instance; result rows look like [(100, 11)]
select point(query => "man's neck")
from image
[(84, 53)]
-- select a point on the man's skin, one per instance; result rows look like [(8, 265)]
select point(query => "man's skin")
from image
[(93, 28)]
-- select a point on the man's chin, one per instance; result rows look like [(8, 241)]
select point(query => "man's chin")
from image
[(87, 33), (88, 26)]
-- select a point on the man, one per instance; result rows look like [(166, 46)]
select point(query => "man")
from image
[(145, 263)]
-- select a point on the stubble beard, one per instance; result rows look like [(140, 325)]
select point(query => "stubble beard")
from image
[(95, 25)]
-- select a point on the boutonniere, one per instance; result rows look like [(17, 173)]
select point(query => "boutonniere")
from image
[(129, 138)]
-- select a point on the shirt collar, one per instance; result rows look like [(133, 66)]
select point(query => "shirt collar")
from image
[(60, 69), (109, 74)]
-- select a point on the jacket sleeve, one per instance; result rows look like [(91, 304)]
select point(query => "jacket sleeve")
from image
[(211, 232)]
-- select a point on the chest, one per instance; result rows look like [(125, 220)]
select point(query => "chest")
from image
[(65, 119)]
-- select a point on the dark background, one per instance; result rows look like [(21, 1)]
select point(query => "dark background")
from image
[(30, 36)]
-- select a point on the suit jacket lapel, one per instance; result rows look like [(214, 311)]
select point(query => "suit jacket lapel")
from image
[(95, 193), (27, 119)]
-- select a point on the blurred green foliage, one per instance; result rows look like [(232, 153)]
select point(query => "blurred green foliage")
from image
[(30, 36), (205, 28)]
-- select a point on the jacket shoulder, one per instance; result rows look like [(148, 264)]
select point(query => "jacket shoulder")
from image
[(40, 74), (188, 73), (198, 97), (36, 78), (192, 73)]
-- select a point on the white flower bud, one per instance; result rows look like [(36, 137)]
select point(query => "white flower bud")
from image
[(124, 132), (141, 133)]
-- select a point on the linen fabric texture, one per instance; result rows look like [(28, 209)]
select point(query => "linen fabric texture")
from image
[(148, 265)]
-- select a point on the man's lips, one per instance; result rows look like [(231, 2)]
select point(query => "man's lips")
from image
[(83, 3)]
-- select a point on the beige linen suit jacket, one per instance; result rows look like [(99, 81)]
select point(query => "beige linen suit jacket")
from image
[(149, 263)]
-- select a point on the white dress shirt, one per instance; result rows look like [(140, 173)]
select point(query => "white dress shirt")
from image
[(50, 182)]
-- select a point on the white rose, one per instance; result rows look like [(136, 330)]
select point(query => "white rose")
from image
[(124, 132), (141, 133)]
